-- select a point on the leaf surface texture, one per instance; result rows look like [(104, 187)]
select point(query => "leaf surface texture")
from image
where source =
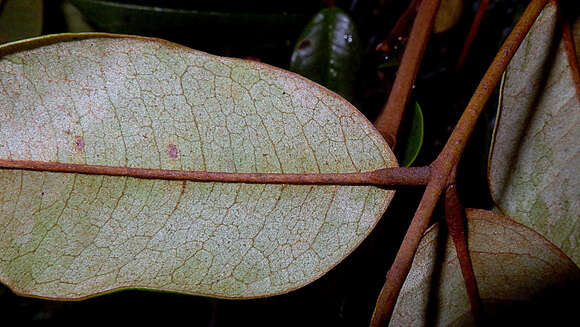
[(146, 103), (522, 278), (533, 170)]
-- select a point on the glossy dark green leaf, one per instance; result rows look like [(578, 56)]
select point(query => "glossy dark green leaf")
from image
[(201, 27), (20, 19), (263, 6), (412, 139), (328, 51)]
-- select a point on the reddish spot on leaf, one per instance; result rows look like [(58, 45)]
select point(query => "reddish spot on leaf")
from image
[(172, 151), (79, 143)]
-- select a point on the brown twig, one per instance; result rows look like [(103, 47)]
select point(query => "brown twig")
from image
[(472, 32), (570, 48), (444, 163), (381, 177), (456, 224), (400, 26), (390, 116)]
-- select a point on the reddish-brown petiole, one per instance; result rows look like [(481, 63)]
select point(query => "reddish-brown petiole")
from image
[(456, 224), (570, 48), (472, 32), (400, 26), (385, 177), (390, 116)]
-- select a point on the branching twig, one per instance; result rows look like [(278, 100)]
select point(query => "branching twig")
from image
[(472, 32), (446, 160), (400, 25), (390, 116), (456, 224)]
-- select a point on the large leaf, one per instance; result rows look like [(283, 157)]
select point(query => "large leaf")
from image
[(146, 103), (20, 19), (522, 278), (328, 51), (533, 170)]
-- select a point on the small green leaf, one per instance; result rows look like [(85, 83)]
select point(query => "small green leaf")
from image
[(412, 140), (328, 51), (20, 19)]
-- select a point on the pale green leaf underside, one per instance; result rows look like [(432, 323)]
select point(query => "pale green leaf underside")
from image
[(513, 265), (533, 171), (126, 101)]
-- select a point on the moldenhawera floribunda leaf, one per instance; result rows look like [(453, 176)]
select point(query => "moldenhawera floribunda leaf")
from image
[(20, 19), (533, 169), (522, 278), (328, 51), (146, 103)]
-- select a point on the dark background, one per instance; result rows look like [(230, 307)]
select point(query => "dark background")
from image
[(346, 295)]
